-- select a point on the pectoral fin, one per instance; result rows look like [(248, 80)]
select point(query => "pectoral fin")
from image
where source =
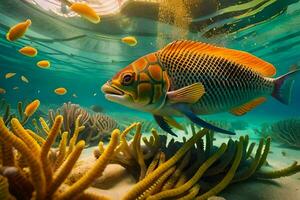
[(163, 124), (189, 94), (189, 114)]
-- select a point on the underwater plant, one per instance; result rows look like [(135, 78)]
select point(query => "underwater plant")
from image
[(287, 132), (101, 125), (97, 125), (70, 112), (47, 169), (31, 168), (185, 171)]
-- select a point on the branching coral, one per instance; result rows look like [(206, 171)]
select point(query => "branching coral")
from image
[(193, 172), (45, 179), (30, 168), (284, 131), (97, 125), (287, 131)]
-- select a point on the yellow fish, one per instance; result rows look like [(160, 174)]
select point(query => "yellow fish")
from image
[(24, 79), (9, 75), (60, 91), (28, 51), (85, 11), (43, 64), (188, 78), (130, 40), (2, 91), (18, 30)]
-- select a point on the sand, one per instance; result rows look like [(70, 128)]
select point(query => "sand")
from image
[(115, 181)]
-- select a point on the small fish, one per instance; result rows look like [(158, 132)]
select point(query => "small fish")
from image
[(60, 91), (130, 40), (188, 78), (94, 94), (43, 64), (18, 30), (2, 91), (10, 75), (24, 79), (15, 88), (74, 95), (28, 51), (85, 11)]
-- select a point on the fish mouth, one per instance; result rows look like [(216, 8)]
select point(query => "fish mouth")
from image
[(108, 89)]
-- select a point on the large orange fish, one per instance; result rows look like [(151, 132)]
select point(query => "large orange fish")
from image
[(188, 78)]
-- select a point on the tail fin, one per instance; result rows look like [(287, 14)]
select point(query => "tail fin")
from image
[(283, 87)]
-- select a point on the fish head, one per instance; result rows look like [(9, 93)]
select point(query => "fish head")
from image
[(142, 85)]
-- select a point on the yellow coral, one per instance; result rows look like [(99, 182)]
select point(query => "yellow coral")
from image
[(230, 174), (65, 169), (147, 181), (61, 150), (185, 187), (46, 147), (96, 171), (37, 175), (44, 125), (23, 134)]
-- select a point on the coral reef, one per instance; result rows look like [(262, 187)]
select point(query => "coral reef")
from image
[(30, 168), (193, 171), (284, 131), (35, 171), (97, 125), (287, 131)]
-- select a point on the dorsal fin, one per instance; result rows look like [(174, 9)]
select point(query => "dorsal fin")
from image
[(240, 57), (243, 109)]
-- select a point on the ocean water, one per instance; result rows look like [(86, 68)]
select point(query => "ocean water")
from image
[(84, 55)]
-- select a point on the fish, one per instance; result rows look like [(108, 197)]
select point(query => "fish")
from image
[(86, 12), (60, 91), (130, 40), (15, 88), (2, 91), (74, 95), (9, 75), (18, 30), (43, 64), (188, 78), (24, 79), (28, 51)]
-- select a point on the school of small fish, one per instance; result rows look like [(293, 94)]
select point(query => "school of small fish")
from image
[(19, 30)]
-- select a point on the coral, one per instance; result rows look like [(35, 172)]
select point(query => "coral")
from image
[(102, 125), (284, 131), (69, 112), (30, 168), (97, 125), (287, 132), (193, 172), (45, 178)]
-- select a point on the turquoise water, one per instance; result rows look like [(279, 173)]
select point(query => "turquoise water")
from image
[(84, 56)]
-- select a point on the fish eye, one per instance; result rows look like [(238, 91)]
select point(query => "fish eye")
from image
[(127, 79)]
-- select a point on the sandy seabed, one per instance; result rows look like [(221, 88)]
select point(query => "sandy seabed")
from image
[(115, 181)]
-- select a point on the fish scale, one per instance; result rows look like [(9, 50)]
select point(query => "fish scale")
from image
[(223, 80), (188, 78)]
